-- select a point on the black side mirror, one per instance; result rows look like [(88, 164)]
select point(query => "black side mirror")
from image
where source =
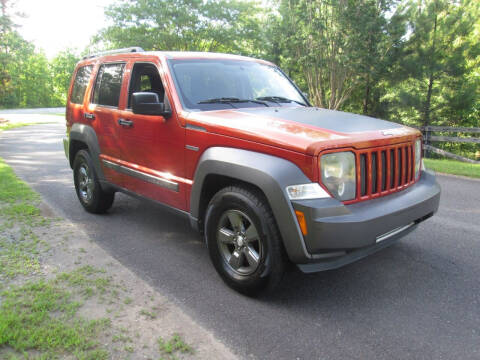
[(148, 103)]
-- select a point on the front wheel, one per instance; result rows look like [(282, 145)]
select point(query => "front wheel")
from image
[(243, 240), (89, 191)]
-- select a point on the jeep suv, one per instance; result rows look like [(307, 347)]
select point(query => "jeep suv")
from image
[(232, 143)]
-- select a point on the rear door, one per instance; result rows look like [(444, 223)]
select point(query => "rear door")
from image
[(103, 113), (75, 104)]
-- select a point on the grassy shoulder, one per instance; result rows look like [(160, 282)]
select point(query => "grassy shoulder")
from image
[(453, 167), (10, 126), (54, 305)]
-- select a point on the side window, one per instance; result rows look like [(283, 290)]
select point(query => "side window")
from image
[(108, 85), (145, 77), (80, 84)]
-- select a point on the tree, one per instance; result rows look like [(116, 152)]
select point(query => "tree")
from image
[(439, 56), (6, 27), (61, 68), (199, 25), (338, 47)]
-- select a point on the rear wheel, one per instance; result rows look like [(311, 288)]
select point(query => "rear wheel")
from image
[(243, 240), (91, 195)]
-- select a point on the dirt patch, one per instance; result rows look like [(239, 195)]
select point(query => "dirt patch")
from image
[(139, 314), (124, 317)]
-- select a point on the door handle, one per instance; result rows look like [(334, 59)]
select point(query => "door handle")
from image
[(89, 116), (124, 122)]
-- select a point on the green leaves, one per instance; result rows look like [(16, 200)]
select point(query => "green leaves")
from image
[(195, 25)]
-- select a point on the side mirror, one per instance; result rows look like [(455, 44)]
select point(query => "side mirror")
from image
[(148, 103)]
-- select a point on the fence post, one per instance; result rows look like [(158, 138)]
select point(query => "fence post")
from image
[(425, 140)]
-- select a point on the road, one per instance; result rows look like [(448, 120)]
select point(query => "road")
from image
[(418, 299)]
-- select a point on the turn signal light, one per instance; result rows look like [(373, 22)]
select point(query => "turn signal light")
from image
[(302, 222)]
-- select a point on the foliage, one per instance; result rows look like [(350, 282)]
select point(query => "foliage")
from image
[(27, 77), (411, 61), (334, 46), (196, 25), (434, 82), (61, 69)]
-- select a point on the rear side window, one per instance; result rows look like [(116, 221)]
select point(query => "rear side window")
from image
[(108, 85), (80, 84)]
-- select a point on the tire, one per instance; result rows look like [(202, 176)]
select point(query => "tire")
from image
[(89, 192), (249, 260)]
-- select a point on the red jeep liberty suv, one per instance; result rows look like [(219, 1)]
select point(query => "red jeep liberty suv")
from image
[(234, 145)]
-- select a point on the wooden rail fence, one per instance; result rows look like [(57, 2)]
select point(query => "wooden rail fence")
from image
[(428, 138)]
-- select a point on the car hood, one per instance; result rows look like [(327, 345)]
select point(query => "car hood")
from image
[(303, 129)]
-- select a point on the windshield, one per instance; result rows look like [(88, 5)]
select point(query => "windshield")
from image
[(207, 84)]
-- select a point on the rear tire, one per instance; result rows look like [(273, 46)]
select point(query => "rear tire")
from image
[(243, 240), (89, 191)]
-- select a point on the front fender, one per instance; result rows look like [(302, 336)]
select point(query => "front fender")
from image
[(271, 174)]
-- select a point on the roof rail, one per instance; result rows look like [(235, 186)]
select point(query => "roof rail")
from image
[(116, 51)]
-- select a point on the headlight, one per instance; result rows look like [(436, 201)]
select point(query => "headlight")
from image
[(418, 157), (306, 191), (338, 174)]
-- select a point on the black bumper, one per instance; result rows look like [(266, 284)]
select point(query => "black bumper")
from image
[(340, 234)]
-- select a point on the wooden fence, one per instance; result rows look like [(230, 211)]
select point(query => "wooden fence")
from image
[(428, 138)]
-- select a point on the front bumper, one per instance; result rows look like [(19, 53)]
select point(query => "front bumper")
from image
[(339, 234)]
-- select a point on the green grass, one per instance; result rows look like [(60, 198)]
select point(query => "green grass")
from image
[(453, 167), (19, 256), (174, 346), (148, 314), (12, 189), (9, 126), (40, 316), (38, 319)]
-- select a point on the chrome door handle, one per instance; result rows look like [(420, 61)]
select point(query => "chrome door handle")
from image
[(89, 116), (124, 122)]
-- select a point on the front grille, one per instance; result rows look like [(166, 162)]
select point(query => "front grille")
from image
[(384, 170)]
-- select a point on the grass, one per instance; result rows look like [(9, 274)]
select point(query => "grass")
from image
[(174, 346), (148, 314), (9, 125), (40, 316), (12, 189), (453, 167)]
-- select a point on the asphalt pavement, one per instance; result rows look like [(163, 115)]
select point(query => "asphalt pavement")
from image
[(418, 299)]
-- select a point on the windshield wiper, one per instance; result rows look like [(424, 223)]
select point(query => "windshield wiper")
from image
[(279, 99), (229, 100)]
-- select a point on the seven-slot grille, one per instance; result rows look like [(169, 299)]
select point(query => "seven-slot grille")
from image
[(384, 170)]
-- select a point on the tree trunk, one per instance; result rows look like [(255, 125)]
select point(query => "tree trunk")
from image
[(428, 101), (366, 99)]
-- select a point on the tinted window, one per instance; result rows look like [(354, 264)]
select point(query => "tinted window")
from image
[(108, 85), (80, 84)]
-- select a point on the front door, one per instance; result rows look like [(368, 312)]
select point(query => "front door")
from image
[(152, 146)]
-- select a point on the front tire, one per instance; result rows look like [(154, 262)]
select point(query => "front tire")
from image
[(89, 191), (243, 240)]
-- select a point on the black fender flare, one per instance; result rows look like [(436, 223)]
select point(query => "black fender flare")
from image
[(86, 134), (269, 173)]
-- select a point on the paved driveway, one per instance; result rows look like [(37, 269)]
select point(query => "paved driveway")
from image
[(419, 299)]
